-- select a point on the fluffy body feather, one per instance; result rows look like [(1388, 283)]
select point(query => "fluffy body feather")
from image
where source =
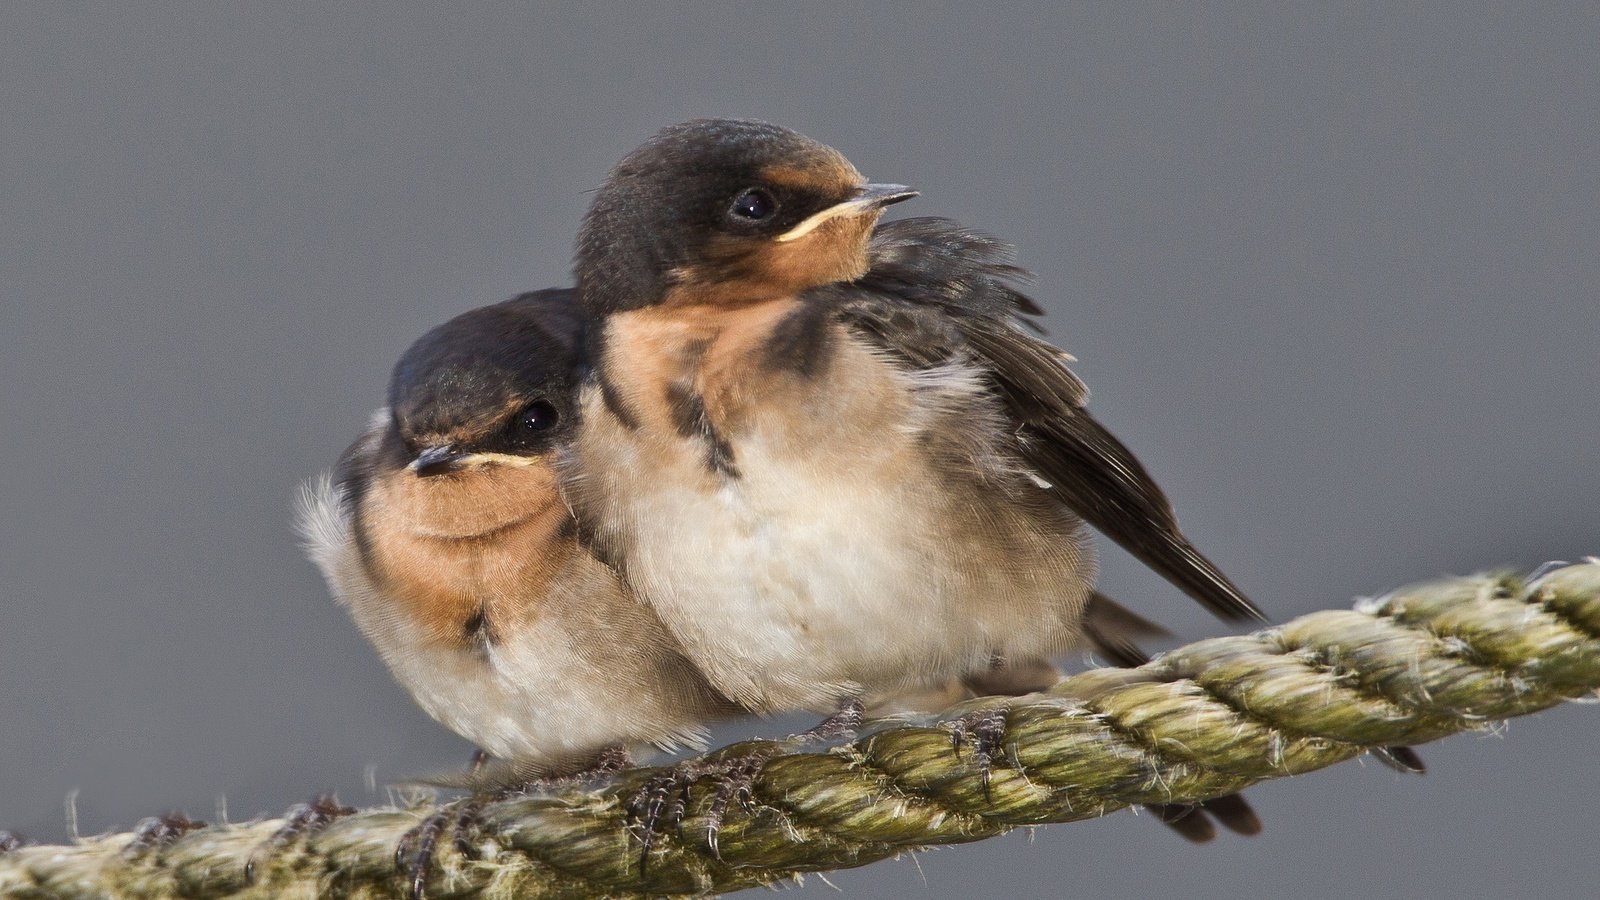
[(867, 532)]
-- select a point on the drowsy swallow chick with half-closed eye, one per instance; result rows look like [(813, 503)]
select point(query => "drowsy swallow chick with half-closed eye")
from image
[(444, 534)]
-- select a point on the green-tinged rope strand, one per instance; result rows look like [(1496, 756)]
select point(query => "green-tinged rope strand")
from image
[(1202, 721)]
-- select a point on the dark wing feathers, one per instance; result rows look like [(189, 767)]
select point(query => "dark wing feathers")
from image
[(930, 260), (936, 291), (1100, 479)]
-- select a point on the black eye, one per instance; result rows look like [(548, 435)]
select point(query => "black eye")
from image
[(754, 204), (535, 419)]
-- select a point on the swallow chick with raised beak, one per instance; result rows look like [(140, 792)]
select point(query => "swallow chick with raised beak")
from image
[(444, 534)]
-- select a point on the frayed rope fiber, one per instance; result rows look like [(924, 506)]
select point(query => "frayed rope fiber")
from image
[(1202, 721)]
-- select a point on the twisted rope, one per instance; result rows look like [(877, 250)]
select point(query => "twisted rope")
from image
[(1205, 720)]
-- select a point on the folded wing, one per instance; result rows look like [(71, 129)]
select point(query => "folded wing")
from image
[(936, 292)]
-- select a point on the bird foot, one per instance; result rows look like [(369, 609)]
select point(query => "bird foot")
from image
[(983, 731), (418, 848), (302, 819), (460, 819), (160, 831), (662, 802), (842, 725)]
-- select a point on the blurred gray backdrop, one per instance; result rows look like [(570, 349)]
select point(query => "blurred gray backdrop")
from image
[(1332, 270)]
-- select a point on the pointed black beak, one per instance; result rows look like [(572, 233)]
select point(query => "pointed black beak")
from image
[(868, 198), (881, 195), (436, 460)]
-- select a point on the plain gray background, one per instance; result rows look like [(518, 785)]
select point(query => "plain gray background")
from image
[(1332, 270)]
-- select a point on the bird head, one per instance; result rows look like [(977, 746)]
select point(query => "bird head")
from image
[(726, 211)]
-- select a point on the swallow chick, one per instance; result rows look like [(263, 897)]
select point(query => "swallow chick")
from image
[(829, 454), (444, 534), (834, 456)]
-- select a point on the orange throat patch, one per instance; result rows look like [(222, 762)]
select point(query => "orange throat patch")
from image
[(461, 552)]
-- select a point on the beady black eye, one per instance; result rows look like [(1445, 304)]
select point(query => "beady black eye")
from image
[(754, 204), (535, 419)]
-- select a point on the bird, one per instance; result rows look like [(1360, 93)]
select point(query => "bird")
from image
[(443, 533), (830, 454), (836, 456)]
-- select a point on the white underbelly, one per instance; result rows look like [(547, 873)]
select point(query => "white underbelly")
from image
[(830, 554), (533, 698), (538, 695), (800, 582)]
